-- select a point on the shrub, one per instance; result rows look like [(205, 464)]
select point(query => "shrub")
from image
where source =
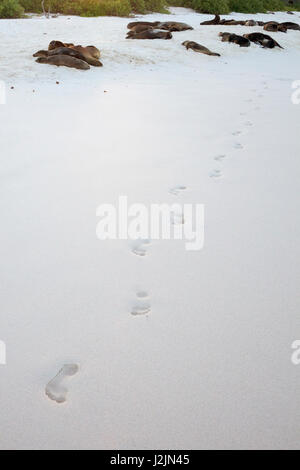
[(10, 9), (211, 6), (138, 6)]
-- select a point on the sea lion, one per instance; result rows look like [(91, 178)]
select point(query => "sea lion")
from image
[(90, 51), (290, 25), (236, 39), (216, 20), (91, 54), (282, 28), (55, 44), (263, 39), (64, 60), (139, 28), (73, 52), (233, 23), (198, 48), (251, 23), (274, 27), (144, 23), (174, 26), (150, 34)]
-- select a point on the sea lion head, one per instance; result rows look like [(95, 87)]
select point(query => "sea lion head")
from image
[(55, 45), (41, 54)]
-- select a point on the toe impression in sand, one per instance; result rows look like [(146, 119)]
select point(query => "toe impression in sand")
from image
[(55, 389)]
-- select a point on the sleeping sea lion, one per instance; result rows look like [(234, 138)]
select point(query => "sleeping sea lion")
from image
[(290, 25), (55, 44), (236, 39), (144, 23), (174, 26), (90, 53), (250, 23), (73, 52), (198, 48), (139, 28), (274, 27), (64, 60), (150, 34), (263, 39)]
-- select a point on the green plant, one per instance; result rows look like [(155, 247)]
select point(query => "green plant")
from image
[(211, 6), (10, 9)]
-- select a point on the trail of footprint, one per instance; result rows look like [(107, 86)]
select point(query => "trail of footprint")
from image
[(218, 158), (140, 247), (215, 174), (238, 145), (55, 389), (177, 190), (142, 304)]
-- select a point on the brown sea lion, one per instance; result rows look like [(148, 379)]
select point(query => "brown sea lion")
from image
[(251, 23), (236, 39), (174, 26), (55, 44), (274, 27), (90, 51), (144, 23), (198, 48), (263, 39), (150, 34), (216, 20), (71, 52), (64, 60), (290, 25), (139, 28)]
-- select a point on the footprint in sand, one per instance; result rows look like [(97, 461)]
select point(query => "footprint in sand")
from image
[(140, 247), (236, 133), (142, 304), (215, 174), (177, 190), (219, 158), (55, 389), (238, 145)]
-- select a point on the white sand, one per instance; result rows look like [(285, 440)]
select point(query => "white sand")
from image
[(209, 366)]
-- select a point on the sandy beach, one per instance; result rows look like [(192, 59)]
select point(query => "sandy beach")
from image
[(209, 365)]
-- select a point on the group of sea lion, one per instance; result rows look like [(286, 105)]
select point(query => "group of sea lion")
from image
[(163, 30), (244, 41), (79, 57), (69, 55), (272, 26), (154, 29)]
